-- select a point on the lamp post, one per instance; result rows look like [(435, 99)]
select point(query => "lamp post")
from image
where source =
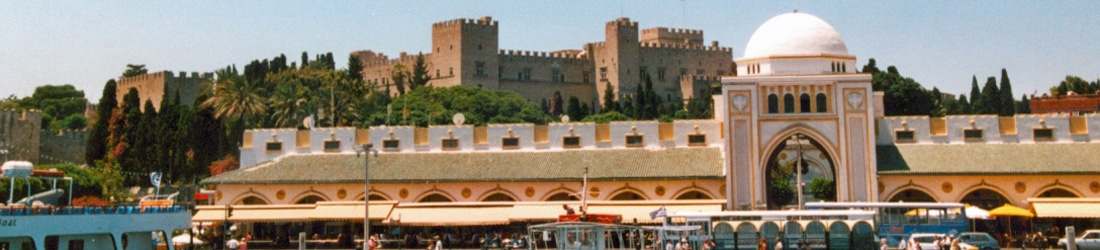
[(798, 171), (366, 151)]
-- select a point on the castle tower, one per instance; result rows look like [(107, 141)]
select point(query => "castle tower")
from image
[(617, 61), (464, 51)]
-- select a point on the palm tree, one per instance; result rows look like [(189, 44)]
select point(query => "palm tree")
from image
[(234, 97), (288, 105)]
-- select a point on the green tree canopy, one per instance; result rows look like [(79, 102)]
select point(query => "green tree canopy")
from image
[(134, 70), (57, 102)]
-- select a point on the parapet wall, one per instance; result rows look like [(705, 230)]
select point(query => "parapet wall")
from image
[(672, 35), (65, 146), (651, 135), (1023, 128), (19, 135)]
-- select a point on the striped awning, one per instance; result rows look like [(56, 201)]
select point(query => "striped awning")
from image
[(321, 211), (1074, 208)]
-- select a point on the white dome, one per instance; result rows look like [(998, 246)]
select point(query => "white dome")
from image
[(795, 34)]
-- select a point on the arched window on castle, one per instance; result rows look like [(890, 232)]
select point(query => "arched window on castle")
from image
[(804, 103), (773, 104), (788, 103), (822, 103)]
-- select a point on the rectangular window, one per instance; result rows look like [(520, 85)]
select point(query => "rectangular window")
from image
[(451, 72), (437, 75), (480, 68), (634, 141), (509, 143), (697, 140), (571, 142), (904, 136), (274, 146), (1044, 134), (661, 74), (332, 146), (603, 74), (391, 144), (526, 74), (586, 76), (972, 134), (642, 72), (76, 244), (555, 75), (450, 144)]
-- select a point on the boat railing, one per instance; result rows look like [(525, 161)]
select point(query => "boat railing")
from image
[(83, 210)]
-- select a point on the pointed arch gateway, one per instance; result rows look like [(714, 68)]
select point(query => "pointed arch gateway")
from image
[(819, 172)]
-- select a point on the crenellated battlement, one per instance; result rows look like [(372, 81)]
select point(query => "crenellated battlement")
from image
[(673, 31), (1021, 128), (691, 77), (623, 22), (543, 54), (166, 75), (483, 21), (681, 46)]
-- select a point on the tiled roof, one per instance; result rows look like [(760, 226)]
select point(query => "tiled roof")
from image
[(566, 165), (1008, 158)]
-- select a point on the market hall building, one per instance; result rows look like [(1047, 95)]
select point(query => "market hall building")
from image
[(796, 100)]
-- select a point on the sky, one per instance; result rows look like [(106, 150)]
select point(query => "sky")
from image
[(938, 43)]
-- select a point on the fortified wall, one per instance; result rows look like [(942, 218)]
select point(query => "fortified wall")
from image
[(261, 145), (157, 86), (65, 146), (19, 135)]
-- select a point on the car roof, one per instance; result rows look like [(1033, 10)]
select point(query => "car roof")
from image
[(925, 235)]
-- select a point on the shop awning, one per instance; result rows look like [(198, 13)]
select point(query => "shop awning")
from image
[(321, 211), (424, 215), (351, 211), (1073, 208), (539, 212)]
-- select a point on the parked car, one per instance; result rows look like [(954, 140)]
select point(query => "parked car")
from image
[(925, 239), (979, 241), (1089, 240)]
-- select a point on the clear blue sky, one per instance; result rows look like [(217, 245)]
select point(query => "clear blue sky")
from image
[(939, 44)]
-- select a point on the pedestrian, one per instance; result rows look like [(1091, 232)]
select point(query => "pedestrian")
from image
[(778, 244), (244, 243), (935, 243), (902, 244), (883, 245), (438, 243), (762, 245), (232, 244)]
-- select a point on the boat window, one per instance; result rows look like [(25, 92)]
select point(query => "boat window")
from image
[(76, 244)]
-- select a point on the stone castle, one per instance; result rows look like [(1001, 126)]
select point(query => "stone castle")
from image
[(23, 139), (466, 52), (158, 86)]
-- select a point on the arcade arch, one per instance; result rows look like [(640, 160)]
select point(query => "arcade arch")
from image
[(911, 194), (435, 197), (984, 198), (251, 199), (818, 171), (1057, 192), (628, 195)]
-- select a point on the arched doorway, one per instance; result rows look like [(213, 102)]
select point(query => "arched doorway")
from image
[(251, 200), (628, 196), (436, 197), (1057, 193), (912, 195), (781, 177), (499, 197), (984, 198), (562, 196), (693, 195), (310, 199)]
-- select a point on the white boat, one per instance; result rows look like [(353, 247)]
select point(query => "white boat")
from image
[(40, 226)]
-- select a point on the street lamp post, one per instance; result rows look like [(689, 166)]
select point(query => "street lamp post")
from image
[(366, 151), (798, 171)]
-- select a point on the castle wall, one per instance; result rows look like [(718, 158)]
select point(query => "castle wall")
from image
[(664, 35), (66, 146), (19, 135), (156, 86), (541, 83)]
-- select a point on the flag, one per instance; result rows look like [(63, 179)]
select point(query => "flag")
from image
[(155, 178), (660, 212)]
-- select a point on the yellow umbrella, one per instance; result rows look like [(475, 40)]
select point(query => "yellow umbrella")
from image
[(1012, 211)]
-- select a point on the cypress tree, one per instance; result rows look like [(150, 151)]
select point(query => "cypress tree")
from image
[(609, 99), (964, 105), (420, 76), (305, 59), (991, 98), (1024, 106), (355, 67), (975, 93), (96, 148), (574, 110), (1008, 105)]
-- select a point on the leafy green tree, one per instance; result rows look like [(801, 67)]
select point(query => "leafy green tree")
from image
[(96, 147), (991, 99), (824, 189), (780, 191), (430, 105), (574, 110), (235, 98), (870, 68), (71, 122), (57, 103), (355, 67), (420, 76), (134, 70), (903, 95), (702, 105), (606, 117), (1023, 106)]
